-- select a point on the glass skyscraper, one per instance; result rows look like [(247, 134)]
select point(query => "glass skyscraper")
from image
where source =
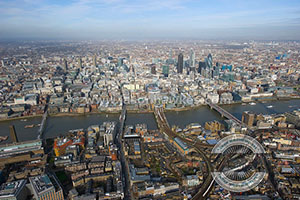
[(165, 70), (192, 59), (209, 61), (180, 63), (201, 68)]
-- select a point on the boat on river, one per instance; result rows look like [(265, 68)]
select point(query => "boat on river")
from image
[(29, 126), (3, 138)]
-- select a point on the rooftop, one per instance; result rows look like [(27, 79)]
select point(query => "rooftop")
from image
[(44, 183), (182, 144), (41, 183), (12, 189)]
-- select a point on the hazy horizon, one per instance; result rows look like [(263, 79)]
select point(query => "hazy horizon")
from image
[(156, 19)]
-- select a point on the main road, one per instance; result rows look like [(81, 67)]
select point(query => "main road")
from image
[(124, 163)]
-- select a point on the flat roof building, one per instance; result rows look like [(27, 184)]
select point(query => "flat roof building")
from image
[(46, 187), (15, 190), (182, 146), (21, 151)]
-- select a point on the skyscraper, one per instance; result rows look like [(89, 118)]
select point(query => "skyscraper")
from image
[(180, 63), (170, 54), (209, 61), (13, 134), (165, 69), (170, 59), (201, 67), (216, 70), (192, 59), (79, 63), (95, 61), (65, 65), (120, 62)]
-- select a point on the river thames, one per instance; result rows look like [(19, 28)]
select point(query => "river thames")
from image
[(60, 125)]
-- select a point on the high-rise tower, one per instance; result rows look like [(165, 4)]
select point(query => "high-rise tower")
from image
[(65, 65), (170, 54), (201, 67), (209, 61), (192, 59), (79, 63), (180, 63), (165, 70), (95, 61)]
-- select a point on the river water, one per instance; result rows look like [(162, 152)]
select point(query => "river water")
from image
[(60, 125)]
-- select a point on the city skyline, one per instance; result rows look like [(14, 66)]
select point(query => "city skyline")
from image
[(149, 120), (167, 19)]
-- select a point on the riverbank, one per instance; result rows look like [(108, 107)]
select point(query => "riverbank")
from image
[(144, 111), (19, 118), (80, 114), (197, 114)]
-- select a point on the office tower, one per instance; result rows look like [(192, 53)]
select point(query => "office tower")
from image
[(79, 63), (209, 61), (201, 68), (13, 134), (95, 61), (206, 63), (170, 54), (165, 70), (192, 69), (170, 59), (192, 59), (180, 63), (248, 118), (46, 187), (120, 62), (65, 65), (217, 70), (153, 69), (226, 67), (188, 70)]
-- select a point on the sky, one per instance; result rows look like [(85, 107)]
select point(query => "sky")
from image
[(150, 19)]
